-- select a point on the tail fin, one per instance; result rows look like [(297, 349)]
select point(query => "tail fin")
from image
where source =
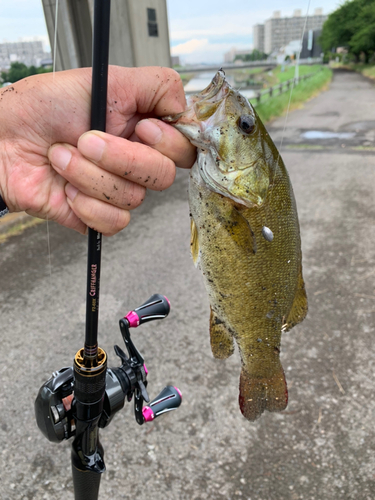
[(259, 394)]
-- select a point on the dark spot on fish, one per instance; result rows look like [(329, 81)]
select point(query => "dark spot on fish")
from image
[(108, 198), (115, 187)]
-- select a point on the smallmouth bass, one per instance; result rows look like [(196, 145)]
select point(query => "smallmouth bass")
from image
[(245, 239)]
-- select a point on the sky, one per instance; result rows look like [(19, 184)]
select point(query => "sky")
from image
[(200, 30)]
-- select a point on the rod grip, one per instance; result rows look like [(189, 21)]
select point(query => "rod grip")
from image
[(86, 484)]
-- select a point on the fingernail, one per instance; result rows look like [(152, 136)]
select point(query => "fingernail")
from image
[(148, 132), (71, 192), (60, 157), (91, 146)]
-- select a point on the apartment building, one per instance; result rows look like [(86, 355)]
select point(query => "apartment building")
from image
[(258, 37), (279, 31), (29, 53)]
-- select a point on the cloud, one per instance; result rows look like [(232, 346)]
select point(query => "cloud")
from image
[(208, 52), (189, 47), (216, 25)]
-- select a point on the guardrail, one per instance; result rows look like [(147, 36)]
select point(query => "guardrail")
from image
[(281, 87)]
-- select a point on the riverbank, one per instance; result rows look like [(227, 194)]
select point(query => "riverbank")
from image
[(278, 105)]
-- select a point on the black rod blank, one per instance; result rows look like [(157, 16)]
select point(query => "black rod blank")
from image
[(98, 122)]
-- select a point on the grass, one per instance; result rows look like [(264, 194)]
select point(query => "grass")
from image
[(282, 74), (19, 228), (275, 106)]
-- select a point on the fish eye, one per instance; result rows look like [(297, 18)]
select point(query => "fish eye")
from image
[(246, 123)]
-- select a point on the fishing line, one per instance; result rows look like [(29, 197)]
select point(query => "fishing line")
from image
[(289, 102), (51, 121), (294, 80)]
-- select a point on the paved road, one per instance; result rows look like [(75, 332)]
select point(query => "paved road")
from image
[(321, 447)]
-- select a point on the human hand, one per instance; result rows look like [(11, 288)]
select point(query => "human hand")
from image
[(89, 179)]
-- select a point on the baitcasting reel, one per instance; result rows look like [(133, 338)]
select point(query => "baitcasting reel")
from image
[(55, 405)]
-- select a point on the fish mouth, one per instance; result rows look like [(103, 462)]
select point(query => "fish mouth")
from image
[(199, 108), (214, 87)]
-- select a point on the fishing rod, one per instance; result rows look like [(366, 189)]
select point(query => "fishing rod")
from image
[(78, 400)]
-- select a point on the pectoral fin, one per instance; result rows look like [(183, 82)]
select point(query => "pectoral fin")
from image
[(238, 229), (194, 244), (221, 339), (299, 307), (242, 232)]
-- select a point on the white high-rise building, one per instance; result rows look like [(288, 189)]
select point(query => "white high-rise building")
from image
[(258, 37), (29, 53), (279, 31)]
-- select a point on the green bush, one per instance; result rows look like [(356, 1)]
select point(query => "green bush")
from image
[(19, 70)]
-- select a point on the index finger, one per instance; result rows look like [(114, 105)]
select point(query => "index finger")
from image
[(155, 90)]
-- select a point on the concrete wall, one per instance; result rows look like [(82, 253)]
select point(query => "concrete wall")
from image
[(149, 50), (74, 34), (130, 42)]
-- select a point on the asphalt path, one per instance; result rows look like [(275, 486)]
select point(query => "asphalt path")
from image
[(321, 447)]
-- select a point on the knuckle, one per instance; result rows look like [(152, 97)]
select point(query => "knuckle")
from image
[(166, 173), (132, 196), (117, 221), (172, 76)]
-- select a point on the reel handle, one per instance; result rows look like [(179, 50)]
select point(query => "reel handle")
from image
[(156, 307), (169, 399)]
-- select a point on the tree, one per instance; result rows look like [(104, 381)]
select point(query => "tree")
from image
[(255, 55), (363, 39), (19, 70), (351, 26)]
